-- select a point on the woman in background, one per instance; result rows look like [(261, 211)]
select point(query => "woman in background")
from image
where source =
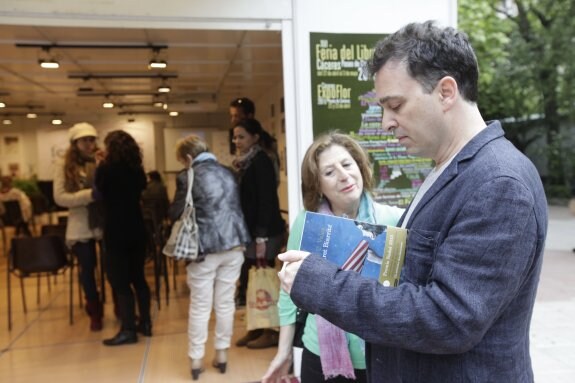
[(73, 183), (336, 180), (260, 204), (120, 180), (222, 232)]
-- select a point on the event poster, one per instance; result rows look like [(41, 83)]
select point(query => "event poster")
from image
[(343, 98)]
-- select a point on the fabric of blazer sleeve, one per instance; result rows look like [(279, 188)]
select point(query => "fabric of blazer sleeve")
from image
[(477, 269)]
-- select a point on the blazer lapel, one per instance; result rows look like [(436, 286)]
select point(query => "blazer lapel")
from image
[(492, 132)]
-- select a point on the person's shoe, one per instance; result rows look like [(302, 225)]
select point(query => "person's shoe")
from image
[(221, 360), (197, 368), (251, 335), (145, 328), (269, 338), (123, 337)]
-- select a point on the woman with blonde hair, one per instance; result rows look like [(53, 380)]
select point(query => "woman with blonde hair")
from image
[(73, 183), (223, 235)]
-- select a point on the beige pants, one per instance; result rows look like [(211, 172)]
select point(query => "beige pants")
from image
[(212, 284)]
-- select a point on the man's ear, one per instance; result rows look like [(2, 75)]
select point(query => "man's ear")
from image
[(448, 91), (189, 158)]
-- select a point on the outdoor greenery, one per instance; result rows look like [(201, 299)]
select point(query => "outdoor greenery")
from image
[(525, 50)]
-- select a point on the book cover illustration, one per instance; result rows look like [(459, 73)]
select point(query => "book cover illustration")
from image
[(375, 251)]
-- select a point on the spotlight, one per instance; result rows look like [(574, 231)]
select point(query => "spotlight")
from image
[(157, 64), (49, 64), (31, 115), (56, 121), (158, 104), (2, 105), (7, 121), (164, 89), (174, 114), (108, 105)]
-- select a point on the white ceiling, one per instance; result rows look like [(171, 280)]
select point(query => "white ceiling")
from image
[(212, 67)]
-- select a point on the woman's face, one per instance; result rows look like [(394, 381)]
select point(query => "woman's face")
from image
[(87, 146), (340, 179), (243, 139)]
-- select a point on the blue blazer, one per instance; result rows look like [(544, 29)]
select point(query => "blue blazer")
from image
[(463, 308)]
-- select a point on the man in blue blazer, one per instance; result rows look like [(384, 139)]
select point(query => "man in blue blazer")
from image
[(477, 227)]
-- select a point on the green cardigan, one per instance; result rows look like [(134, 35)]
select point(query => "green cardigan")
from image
[(368, 212)]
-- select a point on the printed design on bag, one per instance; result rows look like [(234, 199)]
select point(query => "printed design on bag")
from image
[(263, 300)]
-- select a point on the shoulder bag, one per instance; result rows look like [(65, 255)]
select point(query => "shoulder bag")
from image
[(184, 240)]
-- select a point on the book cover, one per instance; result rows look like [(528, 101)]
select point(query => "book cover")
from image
[(375, 251)]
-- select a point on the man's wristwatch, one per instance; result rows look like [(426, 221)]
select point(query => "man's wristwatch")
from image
[(261, 239)]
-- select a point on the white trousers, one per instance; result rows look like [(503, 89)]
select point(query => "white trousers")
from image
[(212, 284)]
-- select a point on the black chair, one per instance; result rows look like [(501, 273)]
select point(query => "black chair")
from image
[(44, 255), (13, 217)]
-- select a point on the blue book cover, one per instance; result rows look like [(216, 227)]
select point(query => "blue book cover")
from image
[(376, 251)]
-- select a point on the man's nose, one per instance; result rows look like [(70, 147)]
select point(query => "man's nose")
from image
[(388, 123)]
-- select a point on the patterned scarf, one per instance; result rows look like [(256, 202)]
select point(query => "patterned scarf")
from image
[(333, 348), (243, 161)]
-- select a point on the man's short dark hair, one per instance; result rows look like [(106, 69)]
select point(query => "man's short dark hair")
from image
[(245, 104), (430, 53)]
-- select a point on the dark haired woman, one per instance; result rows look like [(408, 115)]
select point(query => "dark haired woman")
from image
[(120, 180), (260, 204), (73, 181)]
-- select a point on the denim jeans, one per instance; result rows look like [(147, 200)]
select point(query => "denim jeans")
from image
[(87, 259)]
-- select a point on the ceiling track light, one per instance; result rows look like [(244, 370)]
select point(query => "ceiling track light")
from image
[(2, 105), (164, 89), (108, 105), (174, 114), (56, 121), (49, 64), (157, 64), (31, 115), (7, 121)]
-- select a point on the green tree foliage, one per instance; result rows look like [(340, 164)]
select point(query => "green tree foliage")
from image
[(525, 50)]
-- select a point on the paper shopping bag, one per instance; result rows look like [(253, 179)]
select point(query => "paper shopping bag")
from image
[(262, 298)]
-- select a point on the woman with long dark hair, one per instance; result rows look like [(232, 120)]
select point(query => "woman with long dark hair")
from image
[(260, 204), (120, 179)]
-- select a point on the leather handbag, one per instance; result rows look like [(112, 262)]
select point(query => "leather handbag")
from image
[(184, 240)]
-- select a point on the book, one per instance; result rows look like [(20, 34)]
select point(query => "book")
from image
[(375, 251)]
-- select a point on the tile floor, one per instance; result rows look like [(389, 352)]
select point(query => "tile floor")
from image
[(43, 346)]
